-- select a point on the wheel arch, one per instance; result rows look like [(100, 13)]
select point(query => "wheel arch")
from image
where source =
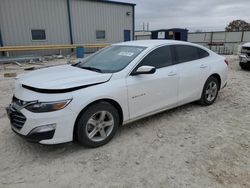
[(217, 76), (111, 101)]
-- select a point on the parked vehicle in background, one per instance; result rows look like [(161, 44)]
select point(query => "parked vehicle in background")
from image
[(245, 56), (117, 85)]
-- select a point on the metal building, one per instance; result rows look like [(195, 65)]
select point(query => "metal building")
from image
[(49, 22)]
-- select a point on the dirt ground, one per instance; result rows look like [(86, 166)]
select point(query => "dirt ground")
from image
[(190, 146)]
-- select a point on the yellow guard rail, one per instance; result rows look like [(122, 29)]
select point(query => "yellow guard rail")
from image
[(50, 47)]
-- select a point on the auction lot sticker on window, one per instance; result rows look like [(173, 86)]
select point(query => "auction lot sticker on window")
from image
[(128, 54)]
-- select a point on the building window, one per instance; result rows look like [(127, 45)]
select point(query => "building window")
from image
[(38, 34), (100, 34)]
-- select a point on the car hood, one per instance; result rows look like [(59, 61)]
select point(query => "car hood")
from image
[(61, 78), (246, 44)]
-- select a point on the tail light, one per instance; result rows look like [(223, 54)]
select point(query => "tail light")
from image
[(226, 62)]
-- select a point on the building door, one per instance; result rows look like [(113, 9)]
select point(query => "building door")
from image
[(177, 35), (127, 35)]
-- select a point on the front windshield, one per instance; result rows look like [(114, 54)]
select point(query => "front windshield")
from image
[(111, 59)]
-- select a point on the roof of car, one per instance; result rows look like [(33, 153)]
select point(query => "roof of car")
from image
[(151, 43)]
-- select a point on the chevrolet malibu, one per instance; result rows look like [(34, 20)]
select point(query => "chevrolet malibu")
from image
[(119, 84)]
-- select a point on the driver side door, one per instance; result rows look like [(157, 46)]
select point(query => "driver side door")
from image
[(149, 93)]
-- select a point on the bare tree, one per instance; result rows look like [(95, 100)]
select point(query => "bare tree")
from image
[(238, 25)]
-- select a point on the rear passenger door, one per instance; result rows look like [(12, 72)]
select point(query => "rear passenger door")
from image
[(193, 68), (151, 92)]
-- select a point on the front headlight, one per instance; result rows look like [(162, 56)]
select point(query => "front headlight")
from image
[(40, 107)]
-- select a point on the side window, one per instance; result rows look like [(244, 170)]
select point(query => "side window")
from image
[(186, 53), (158, 58), (202, 53)]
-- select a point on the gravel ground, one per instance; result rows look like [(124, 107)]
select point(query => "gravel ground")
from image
[(190, 146)]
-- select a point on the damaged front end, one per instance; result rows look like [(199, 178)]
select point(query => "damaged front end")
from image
[(18, 119)]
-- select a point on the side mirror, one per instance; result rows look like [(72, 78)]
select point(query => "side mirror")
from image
[(144, 70)]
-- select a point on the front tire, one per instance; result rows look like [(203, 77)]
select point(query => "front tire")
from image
[(210, 91), (97, 125), (245, 66)]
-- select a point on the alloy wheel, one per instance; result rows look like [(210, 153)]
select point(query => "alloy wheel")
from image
[(100, 126), (211, 91)]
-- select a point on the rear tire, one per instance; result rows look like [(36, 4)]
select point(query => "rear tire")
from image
[(97, 125), (210, 91)]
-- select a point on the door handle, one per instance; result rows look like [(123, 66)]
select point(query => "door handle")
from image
[(203, 66), (172, 73)]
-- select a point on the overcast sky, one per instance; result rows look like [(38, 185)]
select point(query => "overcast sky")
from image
[(206, 15)]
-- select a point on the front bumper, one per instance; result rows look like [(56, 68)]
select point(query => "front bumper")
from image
[(44, 128), (244, 58), (244, 61), (37, 137)]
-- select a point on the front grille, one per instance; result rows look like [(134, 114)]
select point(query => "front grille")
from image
[(246, 48), (17, 119)]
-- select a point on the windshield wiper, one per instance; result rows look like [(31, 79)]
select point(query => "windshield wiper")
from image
[(92, 69), (76, 64)]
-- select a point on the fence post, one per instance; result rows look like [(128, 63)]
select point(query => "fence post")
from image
[(211, 40), (242, 36)]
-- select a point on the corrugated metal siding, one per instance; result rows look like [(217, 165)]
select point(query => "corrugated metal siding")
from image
[(246, 37), (142, 37), (18, 17), (87, 17), (233, 36), (229, 41)]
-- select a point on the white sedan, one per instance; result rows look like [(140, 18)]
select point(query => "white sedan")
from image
[(117, 85)]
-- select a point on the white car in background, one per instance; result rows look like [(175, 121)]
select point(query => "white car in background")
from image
[(117, 85), (245, 56)]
